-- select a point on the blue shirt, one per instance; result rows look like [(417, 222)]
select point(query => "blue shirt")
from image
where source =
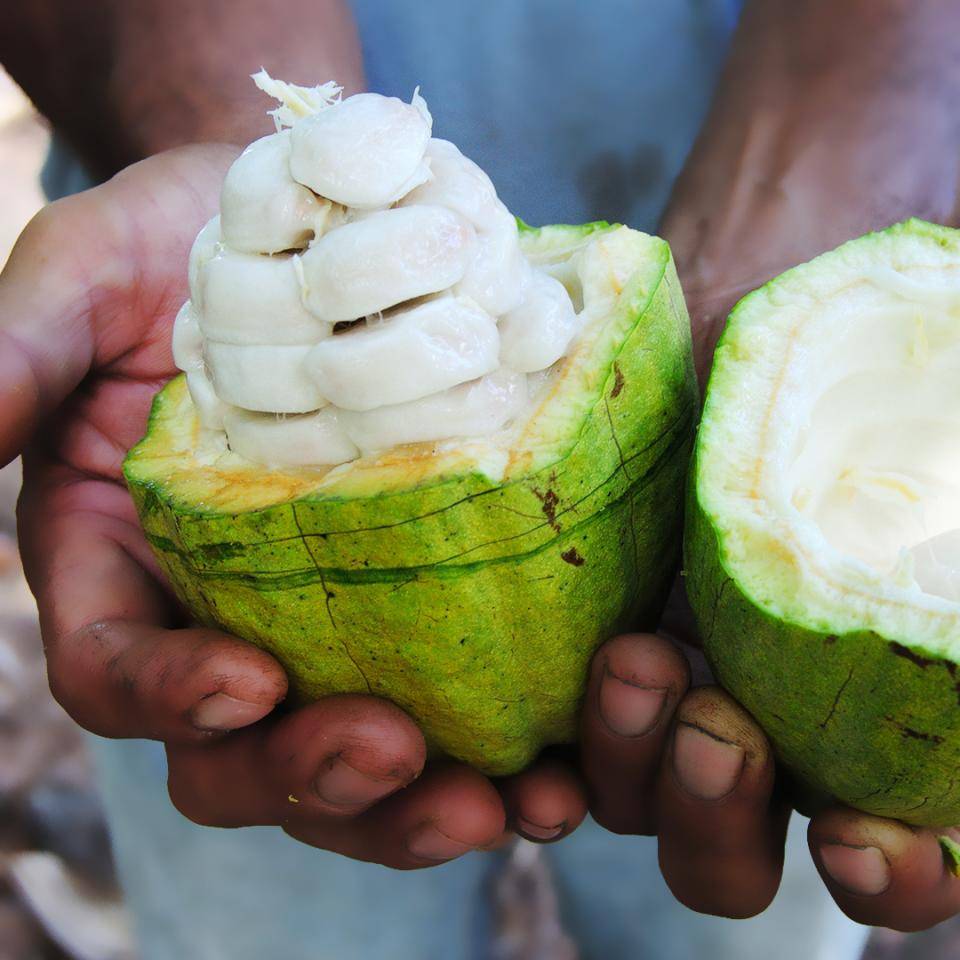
[(578, 110)]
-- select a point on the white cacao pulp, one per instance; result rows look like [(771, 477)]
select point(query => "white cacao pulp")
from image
[(363, 287)]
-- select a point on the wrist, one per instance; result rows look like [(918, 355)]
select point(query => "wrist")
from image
[(134, 79), (815, 137)]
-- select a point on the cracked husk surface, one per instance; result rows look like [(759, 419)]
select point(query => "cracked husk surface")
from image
[(860, 705), (855, 716), (473, 601)]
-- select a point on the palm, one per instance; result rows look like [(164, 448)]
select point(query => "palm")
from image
[(87, 303), (134, 239), (116, 260)]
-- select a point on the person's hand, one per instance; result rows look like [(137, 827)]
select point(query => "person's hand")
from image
[(662, 755), (723, 854), (87, 301), (814, 138)]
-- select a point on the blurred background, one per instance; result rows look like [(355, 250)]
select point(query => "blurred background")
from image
[(59, 898), (58, 893)]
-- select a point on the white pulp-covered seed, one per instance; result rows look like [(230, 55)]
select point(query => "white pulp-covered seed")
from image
[(385, 259), (398, 231), (262, 208), (187, 339), (366, 151), (268, 379), (936, 565), (474, 409), (301, 440), (406, 356), (536, 334), (458, 183), (211, 410), (250, 298), (204, 248), (496, 274)]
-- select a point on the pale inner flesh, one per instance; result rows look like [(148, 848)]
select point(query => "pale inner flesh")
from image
[(874, 460)]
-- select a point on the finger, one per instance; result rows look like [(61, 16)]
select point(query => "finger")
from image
[(117, 250), (882, 872), (546, 802), (636, 681), (721, 841), (332, 759), (451, 810), (124, 679), (111, 663)]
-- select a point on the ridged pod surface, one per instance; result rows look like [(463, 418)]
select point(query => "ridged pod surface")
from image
[(469, 592)]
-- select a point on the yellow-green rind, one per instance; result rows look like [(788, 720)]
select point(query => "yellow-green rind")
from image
[(473, 605), (869, 720), (951, 854), (857, 717)]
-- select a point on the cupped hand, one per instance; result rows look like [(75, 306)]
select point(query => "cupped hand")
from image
[(87, 301), (688, 764), (763, 190)]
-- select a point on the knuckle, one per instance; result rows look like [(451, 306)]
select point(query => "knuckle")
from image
[(44, 222), (131, 670), (73, 685), (52, 223)]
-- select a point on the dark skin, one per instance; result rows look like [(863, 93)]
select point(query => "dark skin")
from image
[(134, 79), (831, 119)]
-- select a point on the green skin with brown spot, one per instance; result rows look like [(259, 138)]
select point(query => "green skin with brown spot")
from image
[(856, 717), (475, 606), (850, 714)]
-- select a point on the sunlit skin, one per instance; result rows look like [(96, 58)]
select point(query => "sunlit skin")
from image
[(86, 307)]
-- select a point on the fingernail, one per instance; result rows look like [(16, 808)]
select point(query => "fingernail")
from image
[(429, 843), (707, 767), (220, 711), (860, 870), (629, 709), (535, 832), (341, 785)]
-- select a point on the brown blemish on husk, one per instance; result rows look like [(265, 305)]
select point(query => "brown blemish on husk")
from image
[(572, 557)]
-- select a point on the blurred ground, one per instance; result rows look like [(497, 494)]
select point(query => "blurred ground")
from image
[(58, 894)]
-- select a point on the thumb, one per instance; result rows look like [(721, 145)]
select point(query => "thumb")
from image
[(46, 344), (90, 273)]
